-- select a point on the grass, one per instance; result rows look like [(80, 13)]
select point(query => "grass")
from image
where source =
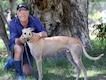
[(60, 69)]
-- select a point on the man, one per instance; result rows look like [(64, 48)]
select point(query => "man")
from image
[(23, 20)]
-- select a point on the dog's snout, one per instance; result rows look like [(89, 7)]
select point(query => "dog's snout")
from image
[(27, 39)]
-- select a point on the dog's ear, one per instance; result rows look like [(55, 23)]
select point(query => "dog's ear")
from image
[(31, 29)]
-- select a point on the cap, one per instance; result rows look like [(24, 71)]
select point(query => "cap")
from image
[(23, 6)]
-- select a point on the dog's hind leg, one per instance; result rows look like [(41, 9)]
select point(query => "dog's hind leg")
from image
[(76, 53), (70, 58), (84, 70)]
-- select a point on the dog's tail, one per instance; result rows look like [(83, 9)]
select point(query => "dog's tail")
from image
[(90, 57)]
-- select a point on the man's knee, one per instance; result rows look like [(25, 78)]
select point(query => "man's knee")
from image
[(18, 49)]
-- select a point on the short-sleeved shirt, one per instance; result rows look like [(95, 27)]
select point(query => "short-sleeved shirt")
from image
[(15, 28)]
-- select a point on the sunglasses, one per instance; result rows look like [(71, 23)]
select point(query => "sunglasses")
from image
[(22, 7)]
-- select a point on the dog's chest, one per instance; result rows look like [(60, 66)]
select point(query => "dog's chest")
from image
[(34, 47)]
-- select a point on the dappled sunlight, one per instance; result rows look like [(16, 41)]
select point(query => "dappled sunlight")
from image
[(69, 72), (60, 71), (92, 73), (1, 45)]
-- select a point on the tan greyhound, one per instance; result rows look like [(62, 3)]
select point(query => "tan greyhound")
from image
[(40, 47)]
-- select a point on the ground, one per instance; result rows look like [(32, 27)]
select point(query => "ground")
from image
[(54, 69)]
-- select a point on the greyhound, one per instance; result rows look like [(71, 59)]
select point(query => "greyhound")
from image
[(40, 47)]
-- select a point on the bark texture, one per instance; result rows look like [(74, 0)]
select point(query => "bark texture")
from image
[(63, 17)]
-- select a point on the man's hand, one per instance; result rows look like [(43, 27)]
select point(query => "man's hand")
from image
[(42, 34), (20, 40)]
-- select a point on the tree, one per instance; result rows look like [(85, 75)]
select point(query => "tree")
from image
[(63, 17), (3, 33), (12, 4)]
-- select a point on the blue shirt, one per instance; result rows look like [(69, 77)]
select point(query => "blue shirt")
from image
[(15, 28)]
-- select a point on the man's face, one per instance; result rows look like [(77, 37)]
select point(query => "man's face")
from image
[(23, 15)]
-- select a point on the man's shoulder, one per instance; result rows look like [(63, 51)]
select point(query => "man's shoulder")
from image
[(33, 17), (14, 20)]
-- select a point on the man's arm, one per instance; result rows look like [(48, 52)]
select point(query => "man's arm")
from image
[(19, 41), (13, 33), (14, 36), (40, 28), (42, 34)]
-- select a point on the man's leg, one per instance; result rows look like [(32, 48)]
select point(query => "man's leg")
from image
[(26, 64), (27, 61), (18, 50)]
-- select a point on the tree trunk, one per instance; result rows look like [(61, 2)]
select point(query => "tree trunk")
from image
[(12, 4), (63, 17), (3, 33)]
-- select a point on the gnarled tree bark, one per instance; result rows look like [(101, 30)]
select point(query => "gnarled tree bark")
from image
[(63, 17)]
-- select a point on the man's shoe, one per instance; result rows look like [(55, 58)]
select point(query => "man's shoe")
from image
[(20, 77), (18, 69), (9, 64)]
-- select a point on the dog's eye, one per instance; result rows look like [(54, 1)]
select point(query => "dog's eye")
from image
[(29, 33), (24, 33)]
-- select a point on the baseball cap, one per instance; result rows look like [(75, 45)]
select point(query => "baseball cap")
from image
[(23, 6)]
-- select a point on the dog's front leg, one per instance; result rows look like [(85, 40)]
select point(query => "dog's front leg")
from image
[(39, 67)]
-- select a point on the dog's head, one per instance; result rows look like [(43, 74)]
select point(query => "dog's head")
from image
[(27, 33)]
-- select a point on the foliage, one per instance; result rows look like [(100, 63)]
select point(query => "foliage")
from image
[(95, 15), (25, 1), (19, 1), (101, 31), (96, 0), (98, 47), (5, 4), (2, 46)]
